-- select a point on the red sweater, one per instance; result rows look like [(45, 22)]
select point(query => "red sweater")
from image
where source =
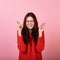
[(30, 52)]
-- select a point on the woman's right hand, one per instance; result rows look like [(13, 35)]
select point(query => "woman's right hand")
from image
[(19, 27)]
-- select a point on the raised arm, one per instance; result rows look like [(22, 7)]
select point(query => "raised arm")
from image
[(20, 42), (41, 39), (41, 43)]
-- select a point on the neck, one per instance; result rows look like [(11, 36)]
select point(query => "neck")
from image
[(30, 31)]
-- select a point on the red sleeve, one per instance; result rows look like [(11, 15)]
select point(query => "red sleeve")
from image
[(40, 44), (21, 44)]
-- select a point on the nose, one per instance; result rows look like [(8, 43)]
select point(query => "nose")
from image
[(29, 23)]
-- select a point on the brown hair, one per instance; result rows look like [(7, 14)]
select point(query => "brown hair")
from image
[(25, 30)]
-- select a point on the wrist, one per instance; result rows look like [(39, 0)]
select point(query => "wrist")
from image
[(19, 32)]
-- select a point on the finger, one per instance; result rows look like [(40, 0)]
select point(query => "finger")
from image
[(43, 24), (20, 26), (17, 22)]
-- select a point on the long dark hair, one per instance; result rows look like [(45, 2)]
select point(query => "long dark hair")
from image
[(25, 30)]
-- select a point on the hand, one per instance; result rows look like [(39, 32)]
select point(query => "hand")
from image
[(18, 23), (42, 26), (19, 27)]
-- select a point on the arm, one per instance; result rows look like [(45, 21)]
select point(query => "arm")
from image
[(41, 43), (21, 44)]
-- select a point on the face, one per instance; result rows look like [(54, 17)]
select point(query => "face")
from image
[(29, 22)]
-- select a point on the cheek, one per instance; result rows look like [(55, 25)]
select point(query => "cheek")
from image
[(32, 23), (26, 24)]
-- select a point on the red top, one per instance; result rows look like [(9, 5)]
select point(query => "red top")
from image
[(30, 52)]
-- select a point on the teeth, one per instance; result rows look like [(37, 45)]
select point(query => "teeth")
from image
[(30, 25)]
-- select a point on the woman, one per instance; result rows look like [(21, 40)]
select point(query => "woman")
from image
[(30, 38)]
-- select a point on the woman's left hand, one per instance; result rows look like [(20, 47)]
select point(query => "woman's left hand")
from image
[(41, 28)]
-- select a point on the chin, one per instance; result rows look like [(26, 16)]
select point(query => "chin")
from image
[(30, 28)]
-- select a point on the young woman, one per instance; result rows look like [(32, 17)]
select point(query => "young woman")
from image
[(30, 38)]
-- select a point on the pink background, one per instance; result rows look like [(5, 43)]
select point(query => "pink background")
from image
[(47, 11)]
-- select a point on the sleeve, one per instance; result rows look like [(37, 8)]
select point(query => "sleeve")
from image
[(41, 43), (20, 43)]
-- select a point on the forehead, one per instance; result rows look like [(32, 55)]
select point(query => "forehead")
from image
[(29, 18)]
